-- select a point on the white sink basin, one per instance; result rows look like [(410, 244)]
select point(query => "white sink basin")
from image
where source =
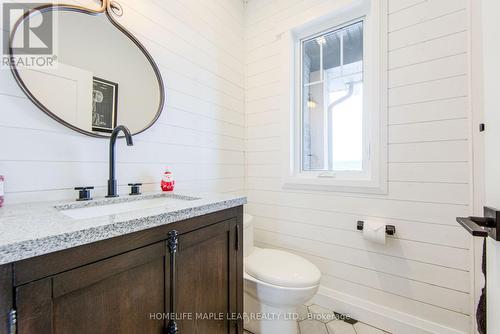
[(118, 205)]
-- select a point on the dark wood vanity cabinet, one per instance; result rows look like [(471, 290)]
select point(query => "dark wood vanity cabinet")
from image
[(125, 284), (208, 279)]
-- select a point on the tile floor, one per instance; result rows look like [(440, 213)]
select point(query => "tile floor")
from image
[(318, 320)]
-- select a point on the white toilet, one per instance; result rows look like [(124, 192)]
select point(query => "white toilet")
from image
[(275, 283)]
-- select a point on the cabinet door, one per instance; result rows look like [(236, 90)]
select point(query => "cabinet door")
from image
[(206, 272), (121, 294)]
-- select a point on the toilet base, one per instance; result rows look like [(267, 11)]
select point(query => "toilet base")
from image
[(274, 320)]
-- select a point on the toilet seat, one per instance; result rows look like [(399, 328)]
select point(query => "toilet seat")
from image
[(281, 268)]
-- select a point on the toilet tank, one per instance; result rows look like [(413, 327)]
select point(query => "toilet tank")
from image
[(247, 234)]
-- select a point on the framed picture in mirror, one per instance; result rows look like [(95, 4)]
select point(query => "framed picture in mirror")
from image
[(104, 105)]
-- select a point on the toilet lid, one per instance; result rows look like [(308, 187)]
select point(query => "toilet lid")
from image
[(281, 268)]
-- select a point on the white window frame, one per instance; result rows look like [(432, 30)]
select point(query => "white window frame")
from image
[(373, 179)]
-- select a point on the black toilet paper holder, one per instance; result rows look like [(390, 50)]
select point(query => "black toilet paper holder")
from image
[(389, 229)]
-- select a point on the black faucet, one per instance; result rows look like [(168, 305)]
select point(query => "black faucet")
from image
[(112, 141)]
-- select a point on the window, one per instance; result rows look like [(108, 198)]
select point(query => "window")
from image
[(337, 105), (332, 101)]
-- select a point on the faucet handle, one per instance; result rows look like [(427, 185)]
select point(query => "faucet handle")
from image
[(84, 193), (135, 188)]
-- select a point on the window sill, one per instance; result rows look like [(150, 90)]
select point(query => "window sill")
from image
[(335, 185)]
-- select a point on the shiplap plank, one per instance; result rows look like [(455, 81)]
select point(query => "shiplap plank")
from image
[(262, 144), (265, 78), (263, 65), (429, 91), (261, 53), (445, 46), (428, 71), (397, 5), (263, 131), (190, 137), (424, 11), (266, 117), (262, 105), (273, 171), (263, 157), (449, 193), (429, 111), (456, 129), (263, 91), (445, 151), (187, 102), (451, 172), (428, 30), (194, 121)]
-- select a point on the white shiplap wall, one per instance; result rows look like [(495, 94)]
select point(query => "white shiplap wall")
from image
[(423, 272), (198, 46)]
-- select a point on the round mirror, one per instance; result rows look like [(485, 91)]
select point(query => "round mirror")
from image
[(98, 75)]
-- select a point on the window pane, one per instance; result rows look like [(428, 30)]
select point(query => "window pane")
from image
[(353, 43), (346, 128), (332, 95), (331, 51), (314, 135), (311, 61)]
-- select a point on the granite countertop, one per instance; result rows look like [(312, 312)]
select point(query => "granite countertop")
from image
[(33, 229)]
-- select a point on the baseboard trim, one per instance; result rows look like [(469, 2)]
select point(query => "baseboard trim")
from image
[(378, 316)]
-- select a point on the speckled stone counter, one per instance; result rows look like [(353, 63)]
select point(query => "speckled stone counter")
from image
[(33, 229)]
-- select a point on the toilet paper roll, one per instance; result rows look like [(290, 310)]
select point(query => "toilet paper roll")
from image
[(374, 232)]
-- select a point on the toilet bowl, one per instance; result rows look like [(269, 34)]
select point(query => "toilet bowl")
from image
[(275, 284)]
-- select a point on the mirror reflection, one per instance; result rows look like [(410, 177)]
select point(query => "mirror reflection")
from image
[(101, 77)]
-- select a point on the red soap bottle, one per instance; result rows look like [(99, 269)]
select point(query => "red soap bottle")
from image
[(167, 181)]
